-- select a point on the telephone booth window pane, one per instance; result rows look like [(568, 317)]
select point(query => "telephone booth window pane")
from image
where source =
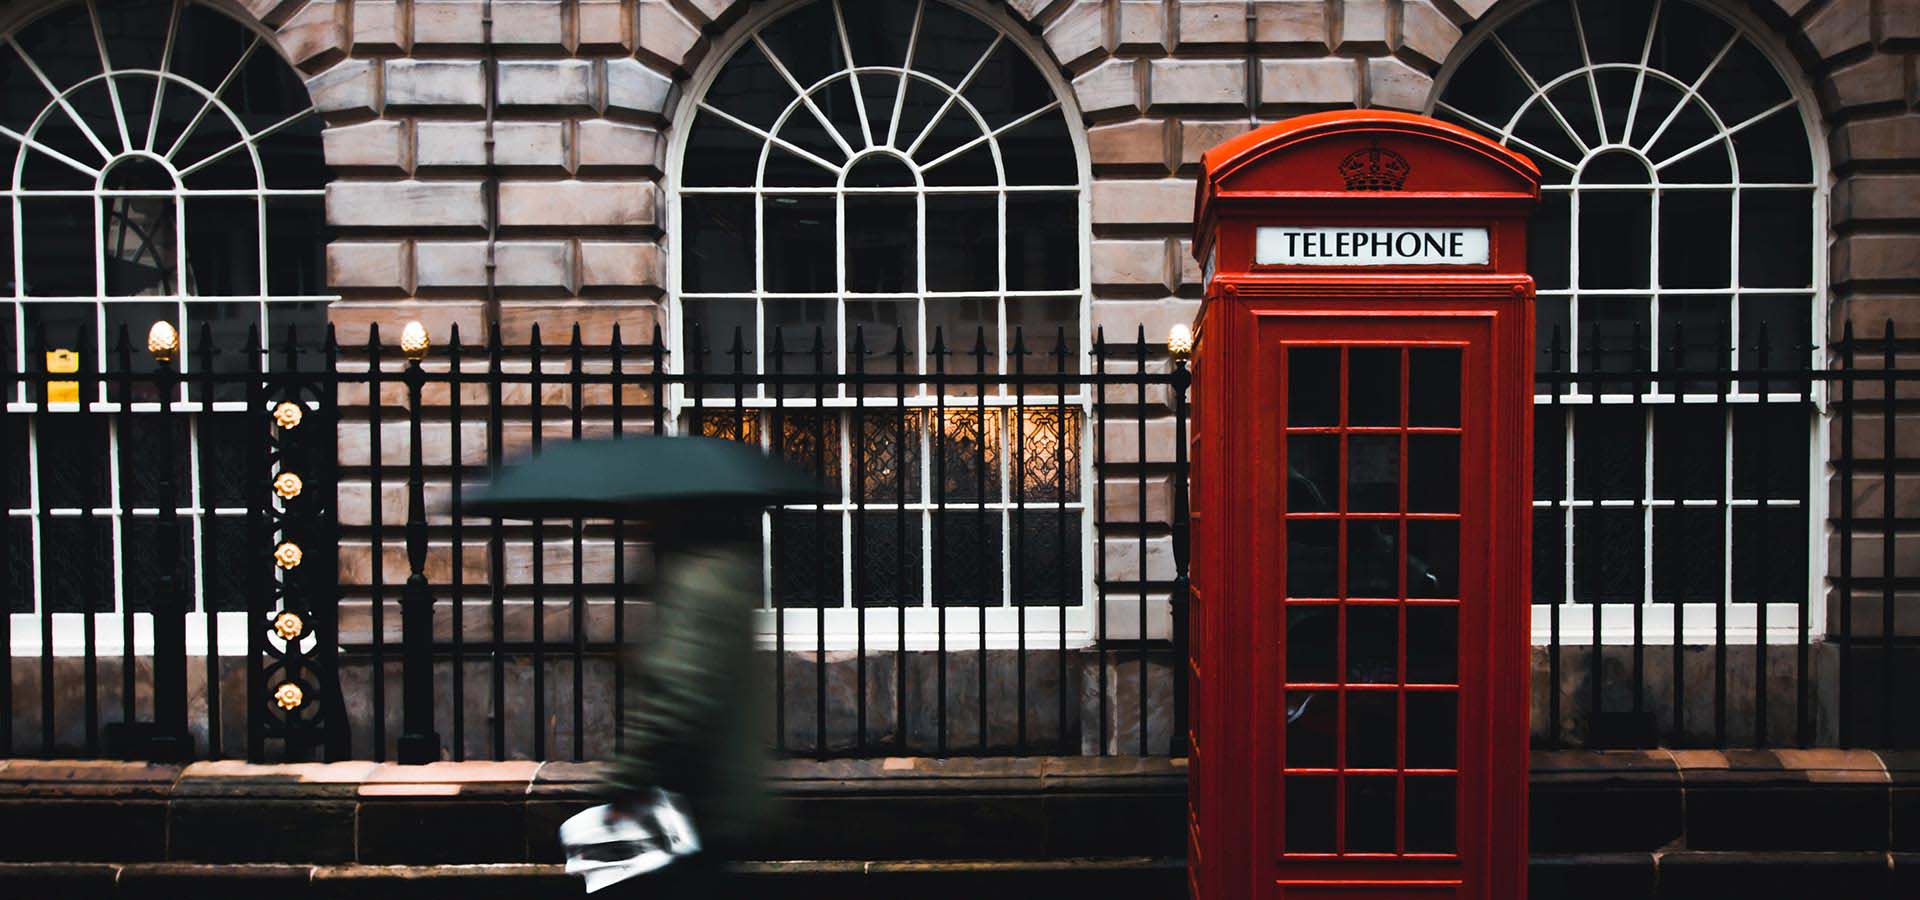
[(1430, 814), (1432, 726), (1370, 814), (1313, 473), (1433, 558), (1433, 645), (1433, 388), (1312, 550), (1373, 642), (1373, 473), (1313, 386), (1373, 558), (1373, 729), (1433, 473), (1313, 723), (1312, 637), (1311, 814), (1373, 386)]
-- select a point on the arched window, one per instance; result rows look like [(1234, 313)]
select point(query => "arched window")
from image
[(162, 162), (860, 185), (1681, 228)]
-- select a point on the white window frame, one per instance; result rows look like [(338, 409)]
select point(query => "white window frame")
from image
[(797, 626), (1657, 624), (69, 630)]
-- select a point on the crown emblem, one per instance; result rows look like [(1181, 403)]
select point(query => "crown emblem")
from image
[(1374, 169)]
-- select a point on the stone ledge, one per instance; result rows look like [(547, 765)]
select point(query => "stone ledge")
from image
[(1614, 803)]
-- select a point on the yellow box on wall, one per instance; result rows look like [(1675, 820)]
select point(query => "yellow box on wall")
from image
[(61, 362)]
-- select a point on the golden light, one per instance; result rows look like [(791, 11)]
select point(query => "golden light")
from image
[(287, 485), (413, 341), (289, 696), (163, 341), (288, 414), (287, 555), (288, 625), (1180, 340)]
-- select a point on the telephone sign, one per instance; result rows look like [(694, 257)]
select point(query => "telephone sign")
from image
[(1358, 659)]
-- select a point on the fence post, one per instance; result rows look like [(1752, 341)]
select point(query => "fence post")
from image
[(170, 741), (418, 742), (1180, 347)]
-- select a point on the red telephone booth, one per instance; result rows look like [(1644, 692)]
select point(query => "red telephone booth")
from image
[(1363, 375)]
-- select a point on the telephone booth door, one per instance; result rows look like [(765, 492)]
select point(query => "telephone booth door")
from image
[(1361, 514)]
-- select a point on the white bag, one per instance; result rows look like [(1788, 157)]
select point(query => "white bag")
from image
[(607, 845)]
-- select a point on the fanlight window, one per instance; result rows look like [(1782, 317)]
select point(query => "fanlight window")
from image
[(162, 162), (871, 193), (1680, 229)]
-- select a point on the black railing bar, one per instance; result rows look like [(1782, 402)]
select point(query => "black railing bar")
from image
[(619, 565), (900, 552), (1100, 529), (776, 446), (456, 595), (982, 554), (1761, 713), (578, 390), (936, 562), (1889, 444), (1678, 357), (1596, 654), (536, 382), (124, 352), (1017, 543), (856, 443), (1843, 579), (1140, 452), (1065, 580), (211, 660), (377, 569), (1644, 517), (496, 553), (1722, 515), (259, 497)]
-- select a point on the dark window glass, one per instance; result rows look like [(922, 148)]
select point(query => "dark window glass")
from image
[(1550, 539), (1770, 452), (1614, 230), (1373, 472), (1373, 729), (1607, 462), (1776, 239), (1689, 453), (719, 154), (1313, 386), (1694, 334), (1373, 386), (1312, 639), (1549, 234), (1616, 335), (1695, 248), (806, 558), (1433, 644), (1433, 388), (1372, 558), (1313, 472), (1608, 562), (58, 236), (719, 234), (1432, 723), (806, 41), (712, 328), (799, 244), (1687, 555), (1774, 149), (951, 42), (880, 244), (749, 89), (962, 242), (1770, 555), (1370, 814), (1430, 814), (1312, 548), (223, 246), (1313, 727), (880, 170), (1032, 153), (1373, 641), (1433, 558), (1433, 473), (1549, 453), (968, 547), (887, 554), (1008, 86), (1043, 250), (297, 236), (1310, 813)]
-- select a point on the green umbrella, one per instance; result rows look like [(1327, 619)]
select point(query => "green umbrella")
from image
[(639, 477)]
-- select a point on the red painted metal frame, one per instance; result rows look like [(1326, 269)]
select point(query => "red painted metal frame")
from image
[(1289, 173)]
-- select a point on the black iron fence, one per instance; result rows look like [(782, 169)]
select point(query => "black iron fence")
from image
[(997, 577), (261, 552)]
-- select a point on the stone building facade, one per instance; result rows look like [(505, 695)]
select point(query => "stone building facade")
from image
[(500, 164)]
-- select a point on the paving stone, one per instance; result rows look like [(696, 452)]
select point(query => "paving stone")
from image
[(1327, 81), (381, 143), (1196, 83), (393, 204), (559, 82), (435, 82)]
